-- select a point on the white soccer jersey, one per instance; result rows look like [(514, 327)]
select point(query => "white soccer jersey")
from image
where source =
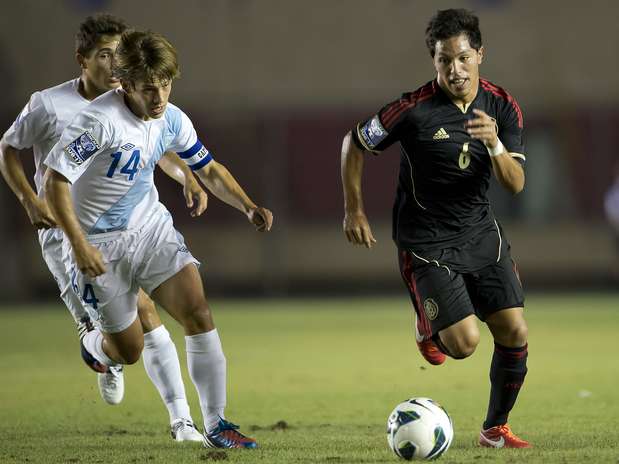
[(109, 154), (43, 119)]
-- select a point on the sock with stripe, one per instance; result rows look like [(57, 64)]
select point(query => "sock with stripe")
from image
[(507, 373), (93, 342)]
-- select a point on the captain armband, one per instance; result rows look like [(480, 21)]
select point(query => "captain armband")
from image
[(196, 157)]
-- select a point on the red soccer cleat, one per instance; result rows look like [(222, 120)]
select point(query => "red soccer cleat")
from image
[(501, 436), (431, 353)]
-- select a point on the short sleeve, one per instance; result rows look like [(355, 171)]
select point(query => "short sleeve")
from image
[(79, 143), (384, 128), (33, 125), (186, 143), (510, 127)]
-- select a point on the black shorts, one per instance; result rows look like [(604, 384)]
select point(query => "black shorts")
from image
[(444, 291)]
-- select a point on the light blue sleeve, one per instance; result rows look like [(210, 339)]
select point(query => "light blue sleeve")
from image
[(186, 142)]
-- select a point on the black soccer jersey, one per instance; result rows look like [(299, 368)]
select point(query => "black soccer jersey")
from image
[(441, 199)]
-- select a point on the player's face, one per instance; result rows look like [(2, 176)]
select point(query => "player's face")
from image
[(148, 100), (97, 66), (457, 66)]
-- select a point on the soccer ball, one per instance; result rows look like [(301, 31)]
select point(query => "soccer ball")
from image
[(419, 428)]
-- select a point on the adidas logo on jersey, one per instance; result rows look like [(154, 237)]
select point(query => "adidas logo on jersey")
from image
[(441, 134)]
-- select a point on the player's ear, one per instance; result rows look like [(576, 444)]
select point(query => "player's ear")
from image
[(127, 85), (480, 54), (81, 60)]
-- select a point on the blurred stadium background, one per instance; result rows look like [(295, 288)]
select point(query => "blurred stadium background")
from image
[(272, 87)]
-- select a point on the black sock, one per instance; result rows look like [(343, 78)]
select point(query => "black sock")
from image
[(507, 372)]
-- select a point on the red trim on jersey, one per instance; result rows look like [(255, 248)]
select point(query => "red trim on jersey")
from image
[(500, 92), (391, 114), (425, 329)]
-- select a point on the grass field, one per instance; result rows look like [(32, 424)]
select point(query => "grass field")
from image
[(314, 381)]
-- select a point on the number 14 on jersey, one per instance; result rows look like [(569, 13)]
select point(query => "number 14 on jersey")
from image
[(130, 168)]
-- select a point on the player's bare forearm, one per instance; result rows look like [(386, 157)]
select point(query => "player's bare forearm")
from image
[(220, 182), (356, 226), (13, 173), (195, 196), (59, 199), (174, 167), (352, 172), (88, 259), (508, 172)]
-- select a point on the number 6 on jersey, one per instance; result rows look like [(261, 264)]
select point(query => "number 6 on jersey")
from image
[(465, 157)]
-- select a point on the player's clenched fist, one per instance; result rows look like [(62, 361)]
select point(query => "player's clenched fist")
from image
[(261, 218), (39, 213), (483, 128), (194, 194), (89, 260)]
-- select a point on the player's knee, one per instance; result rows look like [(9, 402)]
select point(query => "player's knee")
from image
[(464, 346), (198, 317), (131, 353), (149, 318), (146, 306), (517, 334), (463, 351)]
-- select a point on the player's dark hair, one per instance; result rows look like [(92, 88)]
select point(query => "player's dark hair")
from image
[(93, 28), (145, 56), (451, 23)]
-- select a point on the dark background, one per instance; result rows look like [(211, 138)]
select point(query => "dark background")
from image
[(273, 86)]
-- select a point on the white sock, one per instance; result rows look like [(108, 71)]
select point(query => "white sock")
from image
[(93, 342), (207, 368), (162, 366)]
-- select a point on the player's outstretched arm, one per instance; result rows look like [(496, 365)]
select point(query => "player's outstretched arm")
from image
[(220, 182), (88, 259), (507, 170), (13, 172), (175, 168), (356, 226)]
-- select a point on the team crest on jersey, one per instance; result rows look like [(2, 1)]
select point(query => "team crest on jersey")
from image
[(431, 308), (373, 133), (127, 146), (82, 147)]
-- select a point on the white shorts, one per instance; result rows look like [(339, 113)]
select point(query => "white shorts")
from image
[(143, 257), (51, 249)]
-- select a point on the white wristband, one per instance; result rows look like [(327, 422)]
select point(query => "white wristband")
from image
[(499, 149)]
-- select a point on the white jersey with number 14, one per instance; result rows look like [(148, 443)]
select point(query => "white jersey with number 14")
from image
[(109, 155)]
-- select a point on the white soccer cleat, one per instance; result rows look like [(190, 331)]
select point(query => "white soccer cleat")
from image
[(112, 385), (185, 430)]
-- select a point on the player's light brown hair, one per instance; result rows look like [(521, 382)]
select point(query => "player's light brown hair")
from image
[(93, 28), (145, 56)]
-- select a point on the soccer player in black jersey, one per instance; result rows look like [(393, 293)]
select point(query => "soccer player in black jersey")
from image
[(453, 132)]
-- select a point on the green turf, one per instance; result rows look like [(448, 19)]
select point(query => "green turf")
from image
[(331, 371)]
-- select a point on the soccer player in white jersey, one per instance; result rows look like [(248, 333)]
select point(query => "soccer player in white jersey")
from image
[(39, 126), (120, 238)]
